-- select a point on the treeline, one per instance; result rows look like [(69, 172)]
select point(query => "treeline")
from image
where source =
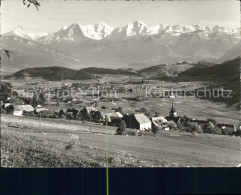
[(94, 70), (53, 73), (57, 73)]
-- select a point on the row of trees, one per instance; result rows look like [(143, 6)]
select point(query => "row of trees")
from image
[(208, 128)]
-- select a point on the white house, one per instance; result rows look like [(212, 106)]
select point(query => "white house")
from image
[(18, 111), (143, 121)]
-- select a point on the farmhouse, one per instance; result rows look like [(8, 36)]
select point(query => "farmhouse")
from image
[(111, 117), (159, 122), (137, 121), (88, 110), (20, 109)]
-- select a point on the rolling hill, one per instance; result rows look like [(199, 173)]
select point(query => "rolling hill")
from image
[(165, 70), (94, 70), (232, 53), (219, 72), (53, 73), (57, 73)]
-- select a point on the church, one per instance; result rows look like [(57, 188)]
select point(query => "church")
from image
[(173, 115)]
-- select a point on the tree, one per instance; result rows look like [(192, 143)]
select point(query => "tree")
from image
[(238, 132), (155, 130), (5, 90), (228, 131), (9, 109), (121, 127), (207, 128), (42, 98), (192, 127), (180, 126), (216, 130), (172, 125), (120, 110), (96, 116), (34, 101), (213, 121)]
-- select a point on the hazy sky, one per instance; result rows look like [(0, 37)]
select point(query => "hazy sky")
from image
[(53, 15)]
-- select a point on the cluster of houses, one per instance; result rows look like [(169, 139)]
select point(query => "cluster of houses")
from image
[(137, 121)]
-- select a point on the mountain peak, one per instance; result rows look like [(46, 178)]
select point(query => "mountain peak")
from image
[(74, 25), (19, 28), (139, 22), (101, 23)]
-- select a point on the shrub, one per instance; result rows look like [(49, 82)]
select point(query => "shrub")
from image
[(31, 114), (130, 132), (120, 109), (172, 125), (180, 127), (155, 130), (26, 114), (228, 131), (207, 128), (216, 130), (192, 127), (213, 121), (121, 127), (238, 132), (9, 109)]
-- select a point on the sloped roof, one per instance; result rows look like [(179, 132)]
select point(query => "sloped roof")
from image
[(90, 109), (40, 109), (17, 108), (26, 108), (113, 115), (141, 118), (118, 114)]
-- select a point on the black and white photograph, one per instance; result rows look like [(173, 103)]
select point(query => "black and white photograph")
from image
[(98, 84)]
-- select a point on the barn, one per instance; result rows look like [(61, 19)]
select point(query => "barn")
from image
[(137, 121), (113, 117)]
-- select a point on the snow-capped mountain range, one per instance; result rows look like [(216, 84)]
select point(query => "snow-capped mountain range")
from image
[(129, 46), (101, 30), (21, 32)]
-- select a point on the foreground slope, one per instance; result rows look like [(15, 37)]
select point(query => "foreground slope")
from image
[(27, 146)]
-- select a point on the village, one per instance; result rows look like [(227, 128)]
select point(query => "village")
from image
[(108, 106)]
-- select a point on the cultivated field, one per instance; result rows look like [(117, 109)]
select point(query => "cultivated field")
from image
[(59, 143)]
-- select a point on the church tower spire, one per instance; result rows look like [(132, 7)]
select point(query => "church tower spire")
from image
[(173, 112)]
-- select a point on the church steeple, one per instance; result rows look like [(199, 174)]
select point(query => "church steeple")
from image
[(173, 112)]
